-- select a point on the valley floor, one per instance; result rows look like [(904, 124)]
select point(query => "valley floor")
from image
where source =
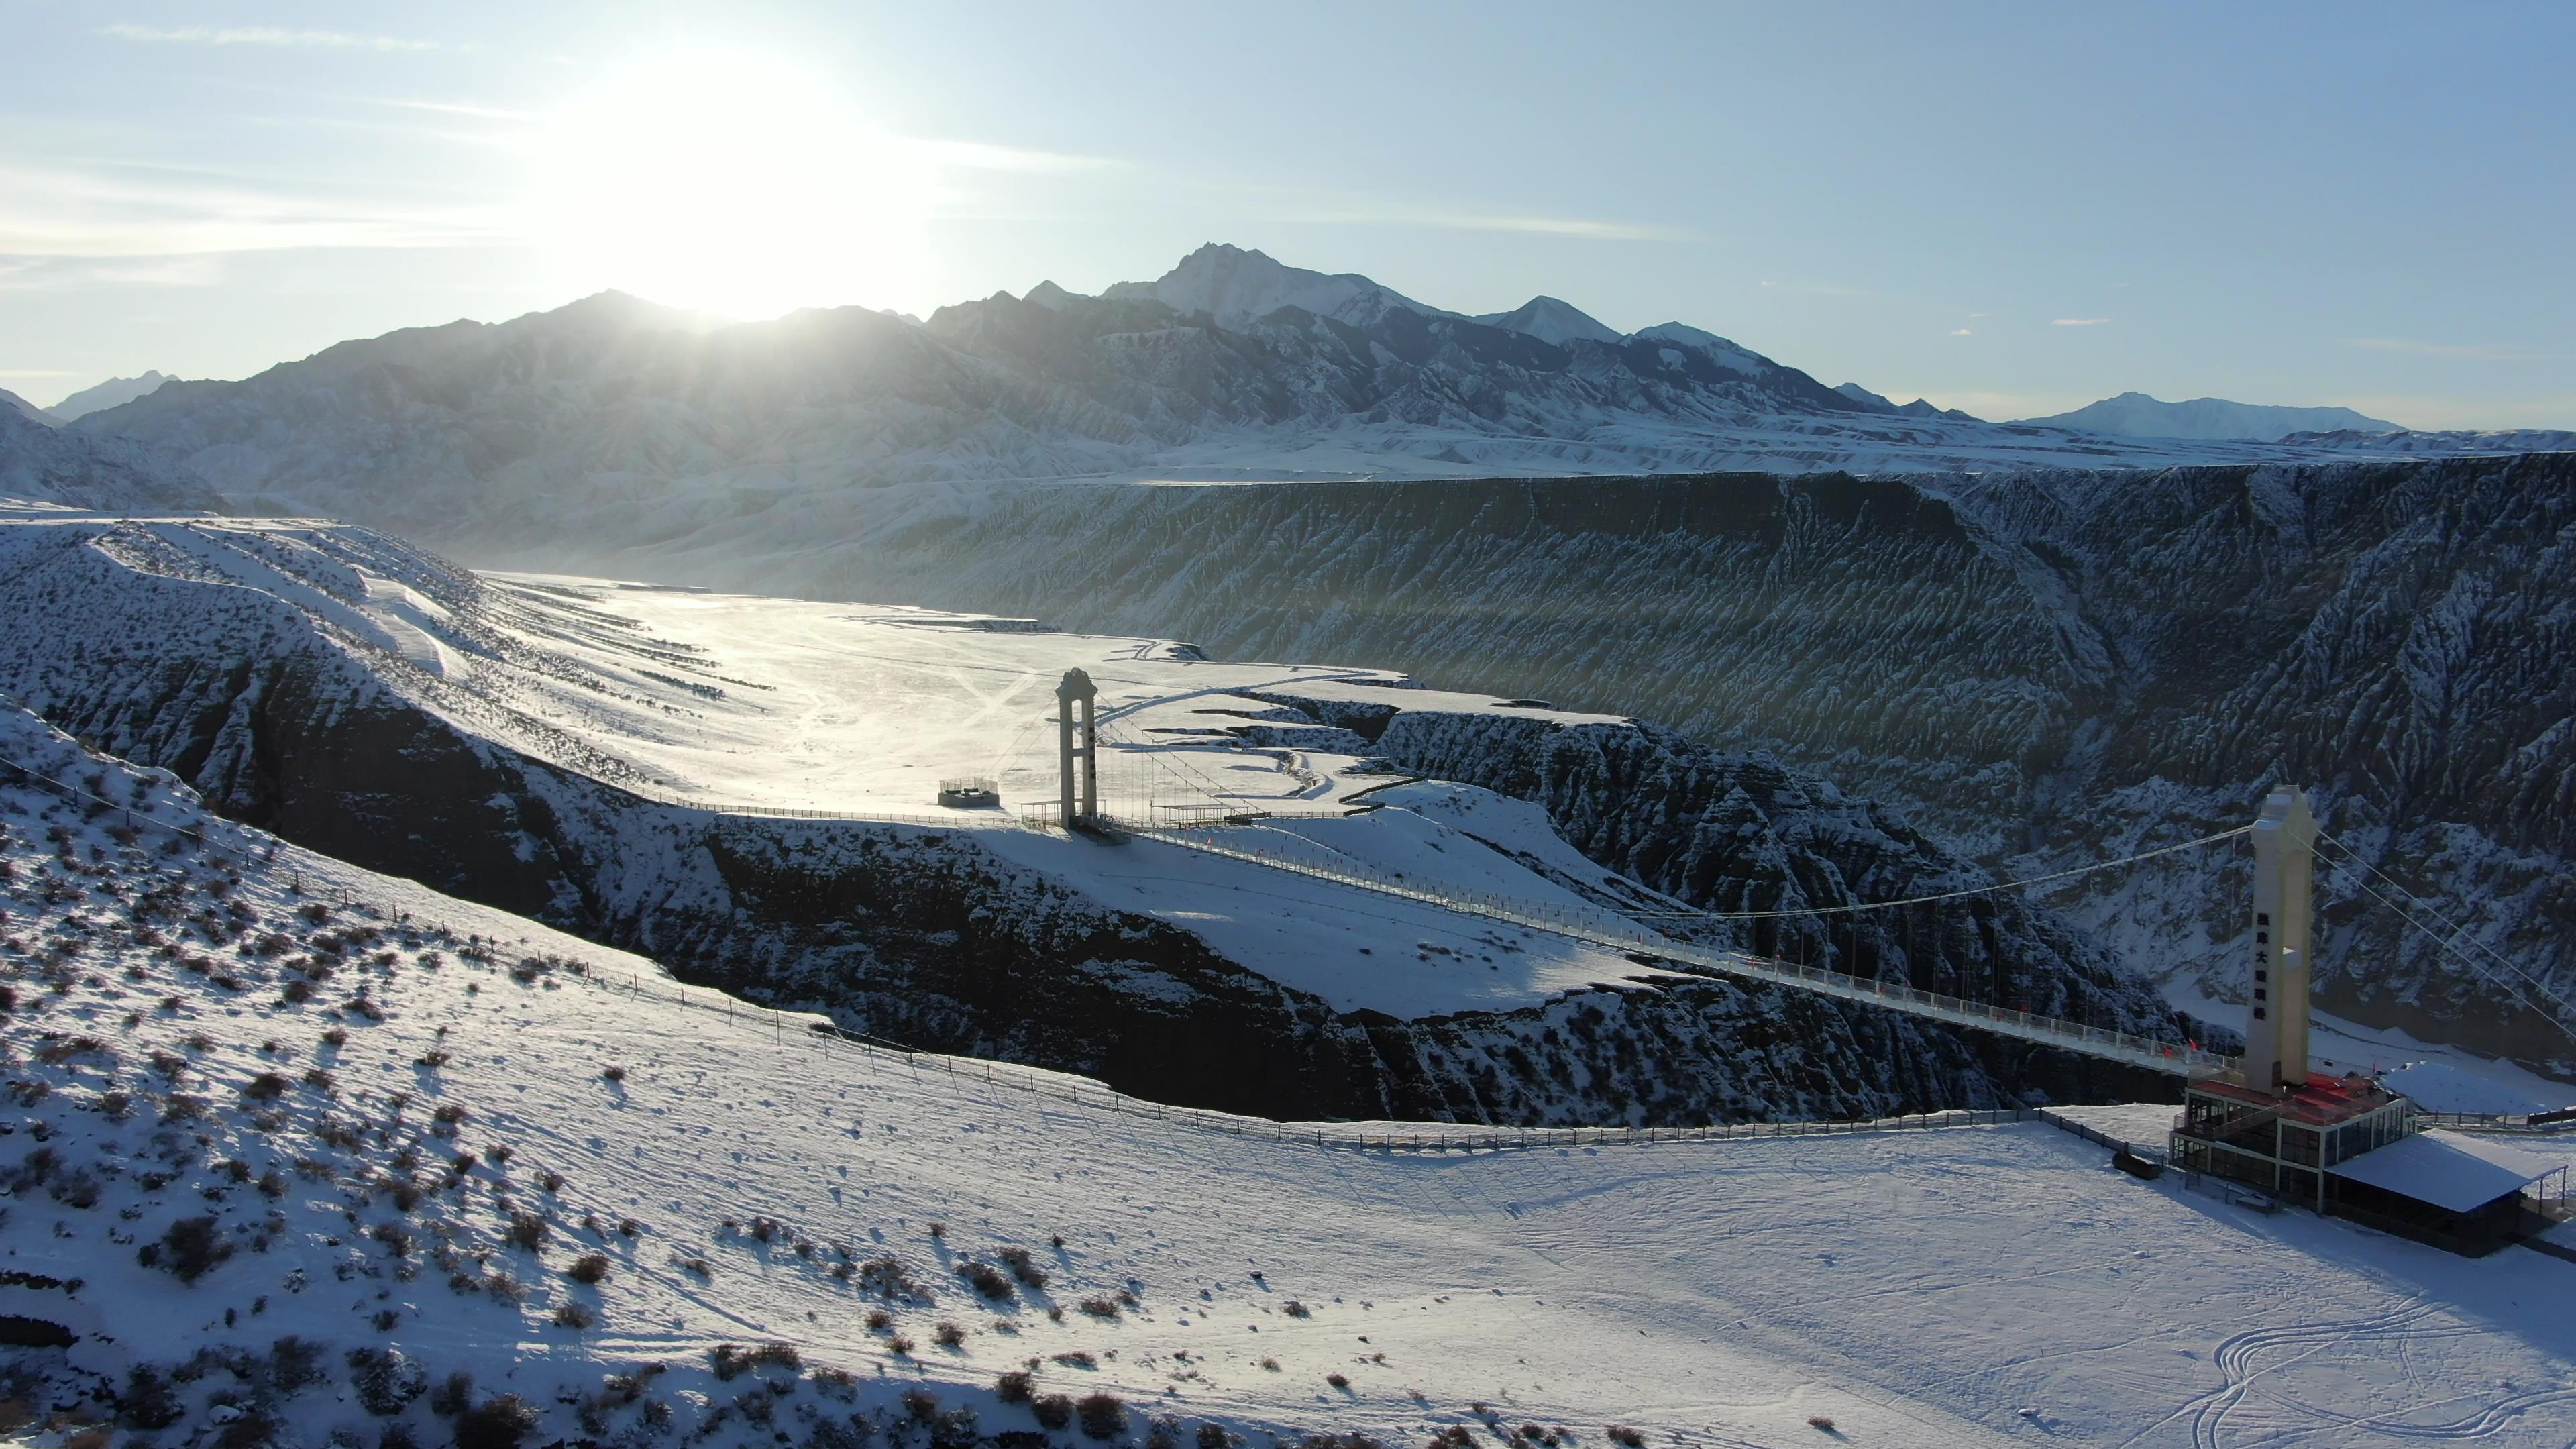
[(1956, 1287)]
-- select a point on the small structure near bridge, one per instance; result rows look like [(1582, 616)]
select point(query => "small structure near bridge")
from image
[(2344, 1146), (970, 792)]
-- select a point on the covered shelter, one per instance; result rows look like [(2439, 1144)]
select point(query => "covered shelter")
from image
[(2467, 1194)]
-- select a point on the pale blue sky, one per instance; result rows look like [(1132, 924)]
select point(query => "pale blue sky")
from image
[(2008, 208)]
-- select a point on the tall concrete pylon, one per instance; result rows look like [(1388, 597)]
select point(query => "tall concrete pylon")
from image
[(2276, 1012), (1077, 687)]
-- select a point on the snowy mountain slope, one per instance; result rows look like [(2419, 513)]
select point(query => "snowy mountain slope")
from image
[(612, 423), (599, 754), (114, 392), (1239, 287), (323, 1154), (2041, 669), (40, 463), (2136, 415), (1550, 320), (14, 406), (1919, 408), (2410, 443)]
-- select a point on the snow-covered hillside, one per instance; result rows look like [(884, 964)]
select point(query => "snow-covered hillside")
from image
[(315, 1156), (626, 760), (41, 463), (2136, 415)]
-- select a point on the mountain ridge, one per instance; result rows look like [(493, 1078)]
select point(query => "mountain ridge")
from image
[(2207, 419)]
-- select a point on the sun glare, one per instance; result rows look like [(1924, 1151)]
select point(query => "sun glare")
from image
[(730, 184)]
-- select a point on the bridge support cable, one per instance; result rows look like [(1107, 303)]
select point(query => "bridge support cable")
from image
[(1961, 894), (1617, 932), (2451, 938)]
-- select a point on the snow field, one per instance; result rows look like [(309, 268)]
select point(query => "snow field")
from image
[(1920, 1288)]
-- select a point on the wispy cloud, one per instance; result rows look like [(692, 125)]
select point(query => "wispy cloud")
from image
[(269, 35), (54, 214), (1443, 219), (2078, 321), (981, 156), (1961, 332), (2459, 351)]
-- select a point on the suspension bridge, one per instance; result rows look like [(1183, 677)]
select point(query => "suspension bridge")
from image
[(2287, 840)]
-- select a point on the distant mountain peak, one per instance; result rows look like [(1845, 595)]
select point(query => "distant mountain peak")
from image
[(1050, 296), (2208, 419), (1550, 320), (114, 392), (1238, 286)]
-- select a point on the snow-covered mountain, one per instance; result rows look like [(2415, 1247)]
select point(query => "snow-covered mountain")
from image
[(612, 421), (2136, 415), (1239, 287), (12, 405), (1550, 320), (1919, 408), (111, 393), (41, 463), (313, 1156)]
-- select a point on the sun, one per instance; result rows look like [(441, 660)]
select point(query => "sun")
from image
[(728, 183)]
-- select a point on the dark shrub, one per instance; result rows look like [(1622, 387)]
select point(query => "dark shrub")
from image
[(589, 1268), (1023, 1267), (920, 1405), (1213, 1436), (1623, 1435), (1013, 1387), (1099, 1307), (498, 1423), (985, 1279), (528, 1231), (452, 1395), (386, 1381), (1053, 1410), (294, 1365), (147, 1402), (1338, 1380), (1104, 1416), (267, 1086), (949, 1335), (188, 1251), (574, 1316)]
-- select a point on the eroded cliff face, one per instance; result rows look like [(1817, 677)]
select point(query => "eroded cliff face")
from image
[(2039, 668), (283, 718)]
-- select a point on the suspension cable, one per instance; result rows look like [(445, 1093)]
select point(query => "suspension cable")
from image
[(1982, 890), (2451, 935)]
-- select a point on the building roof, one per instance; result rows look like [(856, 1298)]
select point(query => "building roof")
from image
[(2322, 1101), (2450, 1170)]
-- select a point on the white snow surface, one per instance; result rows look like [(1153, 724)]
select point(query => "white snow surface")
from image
[(1962, 1287)]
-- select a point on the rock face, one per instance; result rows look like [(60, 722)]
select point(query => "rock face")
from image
[(2041, 668), (278, 703)]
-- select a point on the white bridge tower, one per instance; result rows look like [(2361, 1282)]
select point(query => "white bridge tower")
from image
[(2276, 1017), (1085, 791)]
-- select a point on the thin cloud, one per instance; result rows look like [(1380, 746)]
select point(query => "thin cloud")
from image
[(981, 156), (2078, 321), (1444, 220), (2458, 351), (269, 35), (56, 214), (1961, 332)]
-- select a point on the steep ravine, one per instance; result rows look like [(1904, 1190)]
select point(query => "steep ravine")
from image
[(2039, 668), (924, 937)]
